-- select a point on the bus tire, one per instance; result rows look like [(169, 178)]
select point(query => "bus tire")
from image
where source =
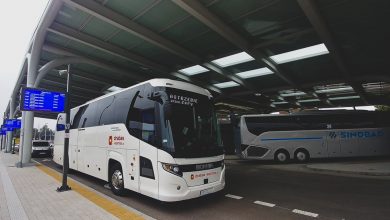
[(281, 156), (301, 155), (116, 180)]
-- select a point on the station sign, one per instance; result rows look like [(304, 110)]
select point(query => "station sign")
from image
[(39, 100), (12, 123)]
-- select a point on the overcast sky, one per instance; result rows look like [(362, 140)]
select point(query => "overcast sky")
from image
[(18, 19)]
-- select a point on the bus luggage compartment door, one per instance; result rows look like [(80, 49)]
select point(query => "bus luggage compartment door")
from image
[(349, 146)]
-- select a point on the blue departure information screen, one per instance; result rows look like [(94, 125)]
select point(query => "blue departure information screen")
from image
[(42, 100), (5, 129), (13, 123)]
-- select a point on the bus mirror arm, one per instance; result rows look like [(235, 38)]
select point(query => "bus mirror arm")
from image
[(167, 108)]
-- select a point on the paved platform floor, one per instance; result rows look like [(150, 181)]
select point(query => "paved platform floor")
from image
[(267, 190), (361, 168), (367, 166), (30, 193), (254, 190)]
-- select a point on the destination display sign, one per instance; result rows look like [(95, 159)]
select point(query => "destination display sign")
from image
[(42, 100), (183, 100), (5, 129), (13, 123)]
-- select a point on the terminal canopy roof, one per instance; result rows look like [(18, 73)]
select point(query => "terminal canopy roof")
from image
[(254, 55)]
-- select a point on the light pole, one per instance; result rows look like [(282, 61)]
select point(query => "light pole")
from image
[(65, 166)]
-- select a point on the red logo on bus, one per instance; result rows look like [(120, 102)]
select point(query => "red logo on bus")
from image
[(110, 140)]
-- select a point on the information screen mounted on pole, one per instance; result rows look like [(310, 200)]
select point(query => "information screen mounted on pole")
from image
[(13, 123), (39, 100), (5, 129)]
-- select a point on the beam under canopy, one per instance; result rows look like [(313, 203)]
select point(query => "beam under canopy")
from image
[(313, 14)]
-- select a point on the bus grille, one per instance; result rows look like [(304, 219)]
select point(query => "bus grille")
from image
[(256, 151)]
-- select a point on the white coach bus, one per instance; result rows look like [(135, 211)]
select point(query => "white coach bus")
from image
[(315, 134), (159, 138)]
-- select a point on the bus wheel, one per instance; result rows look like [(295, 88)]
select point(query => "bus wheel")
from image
[(302, 155), (281, 156), (116, 179)]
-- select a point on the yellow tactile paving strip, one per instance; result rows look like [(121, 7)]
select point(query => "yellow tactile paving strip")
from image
[(111, 207)]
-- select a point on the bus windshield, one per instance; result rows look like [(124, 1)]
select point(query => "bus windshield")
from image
[(191, 130)]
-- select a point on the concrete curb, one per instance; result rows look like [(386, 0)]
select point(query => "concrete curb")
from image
[(367, 173)]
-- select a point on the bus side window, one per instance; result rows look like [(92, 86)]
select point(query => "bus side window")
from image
[(76, 120), (88, 118), (122, 110), (105, 111), (141, 118), (134, 123), (146, 168)]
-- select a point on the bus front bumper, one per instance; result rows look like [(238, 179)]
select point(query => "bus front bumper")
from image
[(174, 188)]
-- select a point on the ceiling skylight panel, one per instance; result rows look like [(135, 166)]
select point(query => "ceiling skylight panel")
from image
[(226, 84), (193, 70), (300, 54), (233, 59), (255, 73)]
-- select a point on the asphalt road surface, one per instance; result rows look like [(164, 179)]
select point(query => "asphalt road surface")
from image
[(258, 191)]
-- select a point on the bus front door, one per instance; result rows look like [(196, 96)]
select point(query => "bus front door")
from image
[(148, 183), (73, 147), (333, 144)]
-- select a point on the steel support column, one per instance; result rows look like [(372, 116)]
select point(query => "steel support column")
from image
[(313, 14), (33, 62), (9, 133)]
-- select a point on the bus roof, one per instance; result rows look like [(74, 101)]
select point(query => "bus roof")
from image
[(157, 83)]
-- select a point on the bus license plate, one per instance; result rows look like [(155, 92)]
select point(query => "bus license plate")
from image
[(206, 191)]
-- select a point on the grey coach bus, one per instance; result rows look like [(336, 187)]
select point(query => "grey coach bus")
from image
[(315, 134)]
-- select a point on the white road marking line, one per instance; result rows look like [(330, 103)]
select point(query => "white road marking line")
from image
[(264, 204), (311, 214), (233, 196)]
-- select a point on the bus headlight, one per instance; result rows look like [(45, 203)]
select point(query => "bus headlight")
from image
[(172, 168)]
